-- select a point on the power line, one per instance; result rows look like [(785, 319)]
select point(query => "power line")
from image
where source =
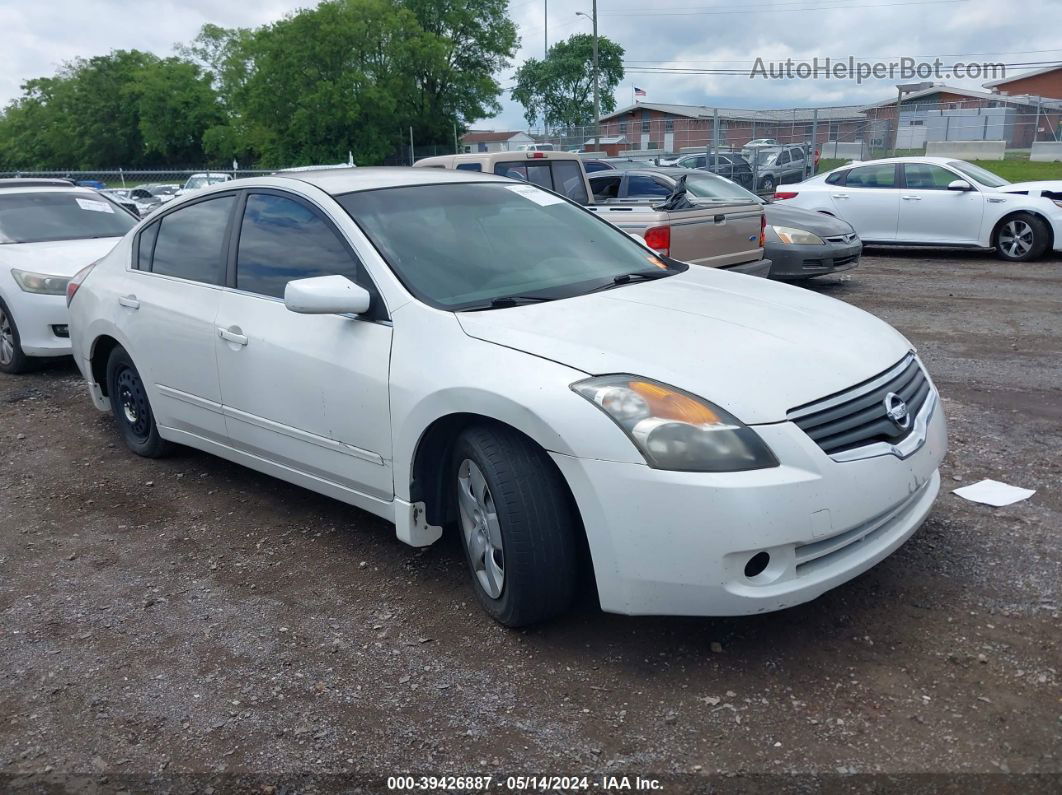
[(858, 57), (746, 9)]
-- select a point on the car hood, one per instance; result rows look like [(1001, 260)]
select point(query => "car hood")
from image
[(56, 257), (756, 348), (818, 223)]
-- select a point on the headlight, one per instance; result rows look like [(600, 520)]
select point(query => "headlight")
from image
[(675, 430), (40, 283), (798, 237)]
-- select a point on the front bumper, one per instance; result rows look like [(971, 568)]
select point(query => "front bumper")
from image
[(803, 261), (761, 267), (677, 543), (42, 322)]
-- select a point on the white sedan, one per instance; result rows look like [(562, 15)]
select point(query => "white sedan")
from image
[(49, 230), (454, 349), (935, 201)]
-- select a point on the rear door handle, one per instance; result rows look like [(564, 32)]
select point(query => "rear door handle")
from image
[(839, 195), (232, 336), (911, 198), (129, 301)]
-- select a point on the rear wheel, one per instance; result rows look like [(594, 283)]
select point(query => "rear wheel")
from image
[(131, 409), (767, 184), (1021, 238), (517, 524), (12, 359)]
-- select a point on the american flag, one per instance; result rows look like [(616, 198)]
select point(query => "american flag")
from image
[(639, 92)]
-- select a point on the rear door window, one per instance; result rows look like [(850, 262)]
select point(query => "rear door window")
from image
[(606, 186), (880, 176), (191, 241), (641, 186), (926, 176)]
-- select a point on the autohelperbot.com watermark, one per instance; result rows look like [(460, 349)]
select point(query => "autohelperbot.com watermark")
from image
[(851, 68)]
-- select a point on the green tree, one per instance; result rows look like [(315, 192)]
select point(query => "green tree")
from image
[(176, 105), (560, 87)]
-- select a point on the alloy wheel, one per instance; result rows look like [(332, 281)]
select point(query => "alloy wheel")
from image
[(7, 339), (1016, 238), (479, 523)]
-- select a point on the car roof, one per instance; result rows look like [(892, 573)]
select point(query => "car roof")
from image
[(349, 180), (667, 171), (907, 159), (35, 182)]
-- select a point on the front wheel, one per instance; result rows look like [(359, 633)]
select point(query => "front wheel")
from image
[(518, 526), (1021, 238), (131, 409), (12, 359)]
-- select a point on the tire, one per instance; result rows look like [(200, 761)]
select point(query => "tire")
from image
[(131, 409), (523, 563), (767, 184), (1021, 237), (12, 360)]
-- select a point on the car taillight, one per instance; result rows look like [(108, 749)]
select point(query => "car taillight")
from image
[(658, 238), (74, 283), (537, 154), (785, 194), (763, 230)]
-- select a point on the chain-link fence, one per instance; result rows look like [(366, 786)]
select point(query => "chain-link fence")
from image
[(781, 146), (123, 179)]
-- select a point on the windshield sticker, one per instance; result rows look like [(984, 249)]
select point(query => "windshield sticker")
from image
[(540, 197), (94, 205)]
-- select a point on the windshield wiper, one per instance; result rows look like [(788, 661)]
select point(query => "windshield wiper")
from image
[(506, 301), (627, 278)]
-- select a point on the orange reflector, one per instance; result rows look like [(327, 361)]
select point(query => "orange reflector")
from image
[(670, 405)]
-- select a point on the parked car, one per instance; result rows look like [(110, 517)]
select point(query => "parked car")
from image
[(89, 183), (536, 148), (732, 166), (613, 164), (49, 230), (798, 243), (525, 373), (758, 142), (934, 201), (198, 181), (121, 198), (557, 171), (163, 192), (779, 166)]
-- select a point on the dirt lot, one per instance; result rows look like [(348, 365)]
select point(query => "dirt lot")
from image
[(188, 616)]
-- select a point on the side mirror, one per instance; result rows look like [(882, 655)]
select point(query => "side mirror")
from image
[(326, 295), (960, 184)]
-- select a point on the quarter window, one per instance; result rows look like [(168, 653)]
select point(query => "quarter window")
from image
[(145, 245), (191, 241), (882, 176), (281, 240)]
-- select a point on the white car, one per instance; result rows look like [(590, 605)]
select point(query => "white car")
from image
[(49, 230), (450, 348), (199, 181), (934, 201)]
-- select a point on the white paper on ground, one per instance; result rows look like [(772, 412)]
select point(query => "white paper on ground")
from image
[(994, 493)]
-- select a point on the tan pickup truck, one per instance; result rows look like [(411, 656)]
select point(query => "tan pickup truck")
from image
[(716, 229)]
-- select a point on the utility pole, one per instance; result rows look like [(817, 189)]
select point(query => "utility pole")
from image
[(597, 103), (545, 28)]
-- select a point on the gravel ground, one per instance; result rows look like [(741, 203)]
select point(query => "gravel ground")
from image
[(188, 620)]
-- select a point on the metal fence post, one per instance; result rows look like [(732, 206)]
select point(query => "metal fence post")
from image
[(809, 164)]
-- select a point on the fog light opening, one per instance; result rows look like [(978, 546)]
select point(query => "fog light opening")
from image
[(757, 564)]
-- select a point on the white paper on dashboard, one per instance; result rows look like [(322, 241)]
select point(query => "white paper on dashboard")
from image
[(994, 493), (94, 205), (534, 194)]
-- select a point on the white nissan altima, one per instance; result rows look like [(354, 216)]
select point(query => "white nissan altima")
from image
[(445, 348)]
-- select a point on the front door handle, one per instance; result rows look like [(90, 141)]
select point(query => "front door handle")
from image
[(911, 198), (839, 195), (129, 301), (232, 335)]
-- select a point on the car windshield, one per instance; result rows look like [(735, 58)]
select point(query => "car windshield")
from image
[(45, 216), (462, 246), (982, 175), (162, 190), (703, 185)]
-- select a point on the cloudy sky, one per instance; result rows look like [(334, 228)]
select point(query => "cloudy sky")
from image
[(657, 34)]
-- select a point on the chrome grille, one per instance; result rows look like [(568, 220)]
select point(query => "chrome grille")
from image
[(857, 417)]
